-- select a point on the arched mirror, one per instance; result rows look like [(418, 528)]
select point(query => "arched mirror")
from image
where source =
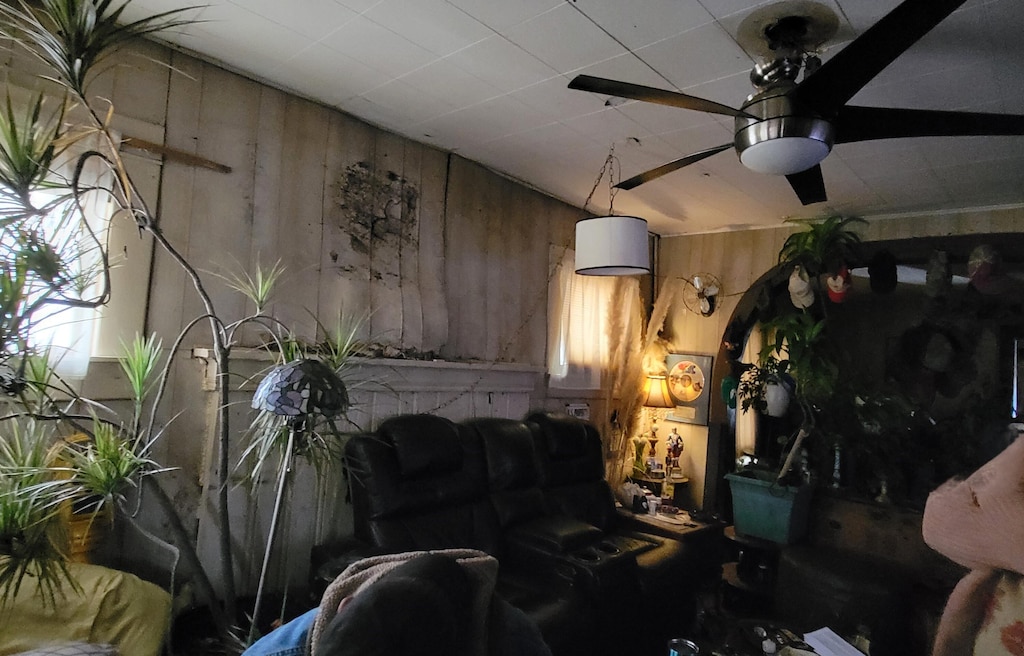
[(927, 343)]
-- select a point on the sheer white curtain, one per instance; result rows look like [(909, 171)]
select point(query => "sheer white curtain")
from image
[(579, 347), (67, 331), (746, 422)]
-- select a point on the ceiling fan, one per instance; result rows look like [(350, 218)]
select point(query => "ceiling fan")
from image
[(788, 127)]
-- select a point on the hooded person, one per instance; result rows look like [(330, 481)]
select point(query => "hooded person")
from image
[(431, 603), (978, 522)]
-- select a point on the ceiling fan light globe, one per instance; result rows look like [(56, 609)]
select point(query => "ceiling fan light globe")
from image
[(784, 155), (778, 137)]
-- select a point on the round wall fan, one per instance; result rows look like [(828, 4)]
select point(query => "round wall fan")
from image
[(787, 127), (700, 292)]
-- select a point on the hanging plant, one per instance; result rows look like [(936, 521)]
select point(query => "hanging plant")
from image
[(823, 246)]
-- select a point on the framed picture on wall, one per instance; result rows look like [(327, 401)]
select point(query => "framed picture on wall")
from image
[(689, 381)]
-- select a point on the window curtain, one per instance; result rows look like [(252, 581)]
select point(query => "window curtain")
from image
[(746, 422), (67, 331), (580, 347)]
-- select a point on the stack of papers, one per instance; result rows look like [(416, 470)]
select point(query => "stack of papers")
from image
[(827, 643)]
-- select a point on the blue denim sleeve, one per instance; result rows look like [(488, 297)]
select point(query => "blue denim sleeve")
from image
[(286, 640)]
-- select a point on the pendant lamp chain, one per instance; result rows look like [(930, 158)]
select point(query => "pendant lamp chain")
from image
[(612, 168)]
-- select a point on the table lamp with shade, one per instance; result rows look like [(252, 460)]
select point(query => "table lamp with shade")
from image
[(655, 395)]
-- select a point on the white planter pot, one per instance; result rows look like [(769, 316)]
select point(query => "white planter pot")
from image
[(776, 397)]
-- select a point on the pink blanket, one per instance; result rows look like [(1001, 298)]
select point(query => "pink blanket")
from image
[(978, 522)]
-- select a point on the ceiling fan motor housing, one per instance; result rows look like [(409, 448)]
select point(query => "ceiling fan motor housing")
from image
[(778, 137)]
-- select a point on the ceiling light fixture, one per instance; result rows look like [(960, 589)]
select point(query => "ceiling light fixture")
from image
[(774, 138), (611, 245)]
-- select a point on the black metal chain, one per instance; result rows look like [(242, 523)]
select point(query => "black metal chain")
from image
[(612, 168)]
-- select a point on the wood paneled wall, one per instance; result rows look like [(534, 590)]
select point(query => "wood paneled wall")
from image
[(445, 258)]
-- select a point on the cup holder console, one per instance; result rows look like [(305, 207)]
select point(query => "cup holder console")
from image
[(587, 555), (599, 553)]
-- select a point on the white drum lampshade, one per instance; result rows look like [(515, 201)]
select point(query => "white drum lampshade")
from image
[(612, 246)]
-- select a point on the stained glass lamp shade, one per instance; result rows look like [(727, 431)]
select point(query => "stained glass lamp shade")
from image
[(301, 389)]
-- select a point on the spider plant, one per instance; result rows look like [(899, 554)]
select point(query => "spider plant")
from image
[(258, 287), (102, 469), (71, 37), (30, 540), (28, 147), (139, 362)]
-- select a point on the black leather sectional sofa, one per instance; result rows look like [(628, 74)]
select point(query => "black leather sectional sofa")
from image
[(533, 494)]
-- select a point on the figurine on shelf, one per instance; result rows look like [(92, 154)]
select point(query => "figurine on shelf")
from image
[(673, 449), (638, 457)]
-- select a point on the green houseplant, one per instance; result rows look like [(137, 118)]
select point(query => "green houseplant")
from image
[(822, 246), (794, 347), (73, 40)]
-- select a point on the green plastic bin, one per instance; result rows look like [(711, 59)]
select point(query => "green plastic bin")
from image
[(764, 509)]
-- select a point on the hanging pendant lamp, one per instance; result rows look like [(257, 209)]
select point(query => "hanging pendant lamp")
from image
[(611, 245)]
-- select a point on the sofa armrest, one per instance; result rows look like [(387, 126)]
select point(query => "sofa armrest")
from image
[(554, 534)]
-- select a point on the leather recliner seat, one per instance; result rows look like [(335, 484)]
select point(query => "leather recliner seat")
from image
[(531, 494)]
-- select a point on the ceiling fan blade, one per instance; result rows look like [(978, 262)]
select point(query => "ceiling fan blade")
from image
[(674, 165), (842, 76), (866, 123), (808, 185), (650, 94)]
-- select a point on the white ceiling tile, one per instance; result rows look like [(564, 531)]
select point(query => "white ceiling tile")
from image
[(312, 18), (444, 79), (609, 125), (555, 96), (722, 8), (358, 5), (553, 136), (638, 25), (379, 48), (410, 104), (340, 76), (255, 49), (432, 24), (564, 39), (700, 55), (486, 121), (502, 64), (379, 115), (941, 152), (502, 15)]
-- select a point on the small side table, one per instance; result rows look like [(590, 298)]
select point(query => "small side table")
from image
[(656, 485), (703, 538), (748, 576)]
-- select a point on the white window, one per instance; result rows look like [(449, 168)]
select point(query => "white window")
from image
[(66, 331), (579, 345)]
